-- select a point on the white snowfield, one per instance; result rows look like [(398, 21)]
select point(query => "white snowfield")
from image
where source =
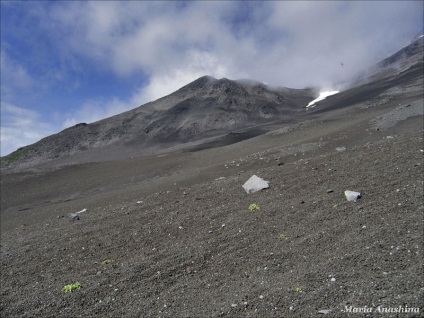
[(322, 95)]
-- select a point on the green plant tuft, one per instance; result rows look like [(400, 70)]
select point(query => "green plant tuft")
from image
[(71, 287), (254, 206), (107, 261)]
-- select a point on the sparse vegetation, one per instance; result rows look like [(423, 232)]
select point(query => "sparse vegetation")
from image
[(15, 156), (71, 287), (107, 261), (254, 206)]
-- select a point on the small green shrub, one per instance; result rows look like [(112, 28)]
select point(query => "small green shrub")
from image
[(254, 206), (107, 261), (71, 287)]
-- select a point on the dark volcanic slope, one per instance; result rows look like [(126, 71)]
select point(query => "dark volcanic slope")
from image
[(404, 70), (204, 108), (179, 239), (400, 62), (196, 250), (209, 108)]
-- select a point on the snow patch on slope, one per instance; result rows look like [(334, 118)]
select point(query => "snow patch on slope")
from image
[(322, 95)]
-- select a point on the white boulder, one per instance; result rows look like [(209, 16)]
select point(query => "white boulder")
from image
[(352, 195), (255, 184)]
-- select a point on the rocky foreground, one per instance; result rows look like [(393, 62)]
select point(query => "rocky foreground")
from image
[(172, 235)]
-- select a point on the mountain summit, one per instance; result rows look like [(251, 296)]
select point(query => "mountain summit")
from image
[(205, 108), (210, 109)]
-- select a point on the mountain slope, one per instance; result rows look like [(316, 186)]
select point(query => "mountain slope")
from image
[(207, 107), (401, 71), (407, 57), (210, 108)]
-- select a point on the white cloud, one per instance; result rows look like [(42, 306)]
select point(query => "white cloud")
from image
[(14, 76), (325, 34), (20, 127), (199, 64), (96, 109), (158, 86), (291, 43)]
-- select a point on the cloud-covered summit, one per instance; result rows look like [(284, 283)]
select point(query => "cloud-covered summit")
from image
[(82, 61)]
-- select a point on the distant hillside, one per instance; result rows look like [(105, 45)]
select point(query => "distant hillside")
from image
[(207, 107)]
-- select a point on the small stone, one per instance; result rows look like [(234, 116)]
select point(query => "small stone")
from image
[(74, 217), (330, 191)]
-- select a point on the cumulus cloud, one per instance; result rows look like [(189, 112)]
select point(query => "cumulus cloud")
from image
[(20, 127), (291, 43), (14, 76)]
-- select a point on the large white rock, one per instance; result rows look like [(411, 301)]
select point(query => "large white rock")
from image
[(352, 195), (255, 184)]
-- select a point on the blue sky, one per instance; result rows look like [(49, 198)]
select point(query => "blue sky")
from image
[(66, 62)]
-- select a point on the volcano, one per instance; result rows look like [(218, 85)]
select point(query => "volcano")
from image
[(167, 229), (209, 112)]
